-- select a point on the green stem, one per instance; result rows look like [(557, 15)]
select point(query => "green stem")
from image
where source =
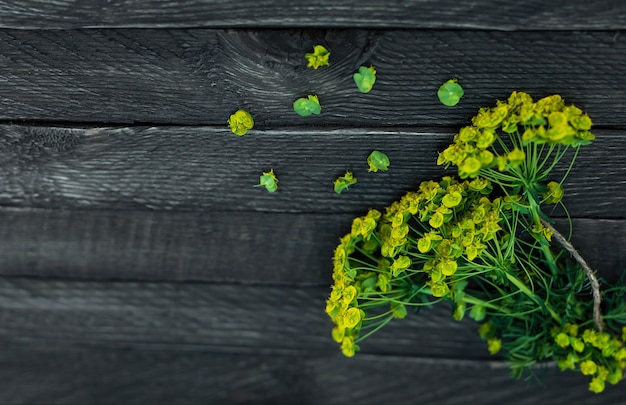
[(545, 248)]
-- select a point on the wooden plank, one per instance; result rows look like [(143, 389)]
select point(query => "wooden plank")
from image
[(181, 168), (187, 316), (485, 14), (100, 376), (243, 247), (200, 77), (222, 246)]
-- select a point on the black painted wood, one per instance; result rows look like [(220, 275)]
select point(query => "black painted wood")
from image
[(103, 376), (215, 246), (191, 316), (484, 14), (139, 265), (200, 77), (181, 168)]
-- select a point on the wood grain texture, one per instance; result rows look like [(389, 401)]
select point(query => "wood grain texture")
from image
[(200, 77), (221, 246), (216, 317), (36, 375), (198, 169), (484, 14), (215, 246)]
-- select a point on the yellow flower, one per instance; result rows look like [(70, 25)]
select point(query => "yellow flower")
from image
[(351, 318), (383, 283), (240, 122), (581, 122), (349, 294), (588, 367), (485, 330), (348, 347), (357, 223), (516, 157), (439, 289), (470, 167), (577, 344), (596, 385), (447, 267), (501, 163), (494, 345), (485, 139), (562, 340), (436, 220), (590, 336), (452, 199), (338, 334), (554, 194), (318, 58), (399, 265), (614, 376)]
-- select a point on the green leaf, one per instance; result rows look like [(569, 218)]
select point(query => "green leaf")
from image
[(307, 106), (459, 311), (478, 313), (365, 78), (398, 310), (378, 161), (450, 93), (269, 181)]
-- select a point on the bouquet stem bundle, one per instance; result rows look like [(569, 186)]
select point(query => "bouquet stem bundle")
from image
[(482, 242)]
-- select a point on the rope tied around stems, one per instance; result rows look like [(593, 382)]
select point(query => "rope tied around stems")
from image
[(595, 285)]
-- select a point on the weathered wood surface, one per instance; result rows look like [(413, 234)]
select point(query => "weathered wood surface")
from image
[(484, 14), (44, 375), (222, 246), (181, 168), (139, 265), (200, 77), (188, 316)]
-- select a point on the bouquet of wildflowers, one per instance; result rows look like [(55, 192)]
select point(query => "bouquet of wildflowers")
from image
[(483, 242)]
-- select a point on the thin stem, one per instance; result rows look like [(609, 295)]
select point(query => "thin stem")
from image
[(595, 285)]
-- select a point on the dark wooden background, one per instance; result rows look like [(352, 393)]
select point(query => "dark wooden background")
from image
[(138, 265)]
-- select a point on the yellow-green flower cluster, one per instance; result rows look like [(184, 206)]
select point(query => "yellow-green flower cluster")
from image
[(456, 220), (240, 122), (487, 332), (342, 305), (599, 355), (547, 121), (421, 240)]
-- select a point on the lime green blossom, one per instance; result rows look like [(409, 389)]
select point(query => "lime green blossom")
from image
[(344, 182), (365, 78), (269, 181), (240, 122), (319, 57), (307, 106)]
